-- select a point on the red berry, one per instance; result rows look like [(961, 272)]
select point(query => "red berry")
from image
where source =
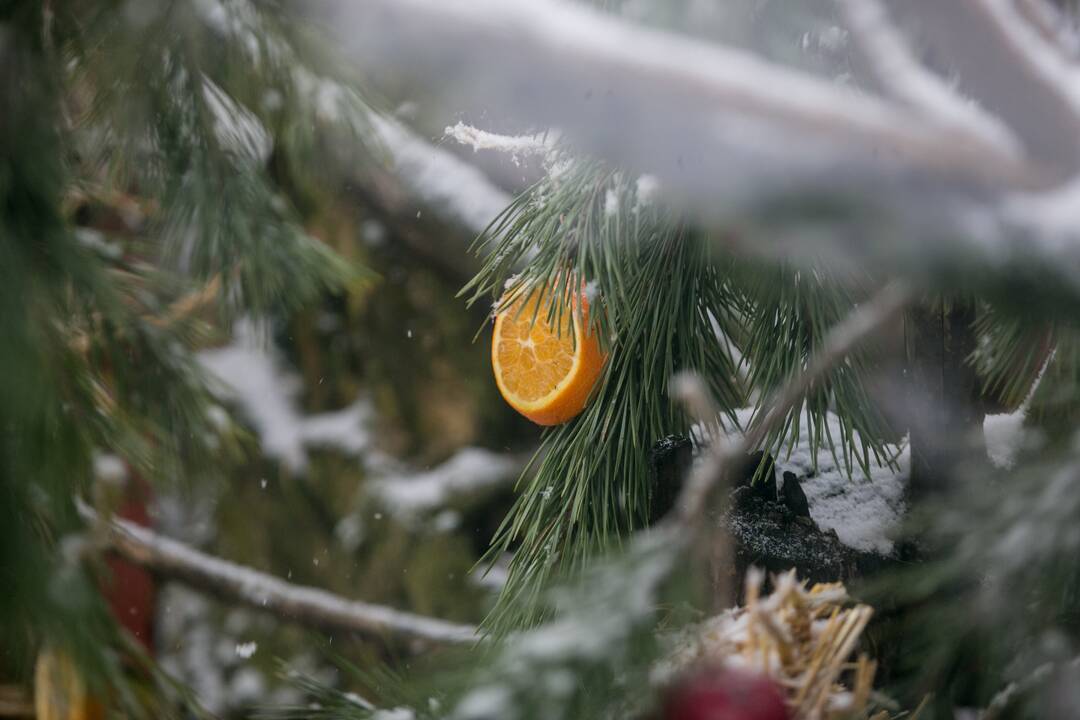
[(725, 695), (129, 588)]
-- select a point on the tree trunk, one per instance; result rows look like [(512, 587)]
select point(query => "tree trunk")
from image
[(946, 412)]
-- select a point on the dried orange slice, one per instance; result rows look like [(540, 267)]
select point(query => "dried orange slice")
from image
[(60, 692), (545, 373)]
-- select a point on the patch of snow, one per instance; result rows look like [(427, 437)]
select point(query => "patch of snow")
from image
[(237, 129), (864, 510), (253, 376), (350, 532), (611, 203), (544, 145), (96, 241), (467, 471), (446, 521), (109, 468), (647, 189), (357, 700), (486, 701), (516, 146), (246, 650), (441, 179), (1004, 435), (341, 430)]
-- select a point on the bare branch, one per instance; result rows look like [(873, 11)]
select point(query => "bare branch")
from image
[(297, 603), (901, 75), (841, 340)]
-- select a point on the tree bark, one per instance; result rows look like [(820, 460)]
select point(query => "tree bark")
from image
[(946, 413)]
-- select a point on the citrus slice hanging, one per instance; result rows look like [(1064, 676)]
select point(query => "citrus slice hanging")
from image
[(60, 692), (546, 373)]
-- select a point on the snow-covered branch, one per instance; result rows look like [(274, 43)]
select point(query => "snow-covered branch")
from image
[(297, 603), (254, 377), (711, 118), (468, 472), (901, 75), (439, 179), (729, 134), (1008, 67)]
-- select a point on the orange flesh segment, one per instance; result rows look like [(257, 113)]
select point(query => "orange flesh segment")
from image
[(541, 371), (534, 361)]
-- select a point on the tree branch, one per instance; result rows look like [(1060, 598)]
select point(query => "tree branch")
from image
[(840, 341), (731, 135), (901, 75), (297, 603), (1003, 62), (439, 179), (701, 116), (1052, 24)]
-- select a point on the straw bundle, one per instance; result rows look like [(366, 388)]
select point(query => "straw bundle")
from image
[(802, 638)]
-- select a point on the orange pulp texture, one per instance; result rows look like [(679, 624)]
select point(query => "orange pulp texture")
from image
[(543, 372)]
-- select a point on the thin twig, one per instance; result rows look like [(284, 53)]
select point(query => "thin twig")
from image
[(298, 603), (863, 322)]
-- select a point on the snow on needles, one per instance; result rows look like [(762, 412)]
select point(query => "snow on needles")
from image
[(470, 470), (517, 146), (594, 620), (253, 376), (863, 510)]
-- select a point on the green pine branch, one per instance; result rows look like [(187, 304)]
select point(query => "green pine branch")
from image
[(661, 305), (790, 313), (667, 303), (156, 168)]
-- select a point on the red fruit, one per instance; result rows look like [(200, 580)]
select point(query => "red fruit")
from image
[(129, 588), (725, 695)]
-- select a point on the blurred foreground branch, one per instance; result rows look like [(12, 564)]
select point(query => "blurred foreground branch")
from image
[(611, 84), (968, 177), (297, 603)]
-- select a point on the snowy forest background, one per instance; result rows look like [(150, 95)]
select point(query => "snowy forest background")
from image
[(251, 252)]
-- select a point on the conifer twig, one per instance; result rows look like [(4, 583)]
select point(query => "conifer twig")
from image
[(863, 322), (238, 583)]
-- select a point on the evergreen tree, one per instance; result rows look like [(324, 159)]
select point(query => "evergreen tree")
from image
[(160, 164)]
